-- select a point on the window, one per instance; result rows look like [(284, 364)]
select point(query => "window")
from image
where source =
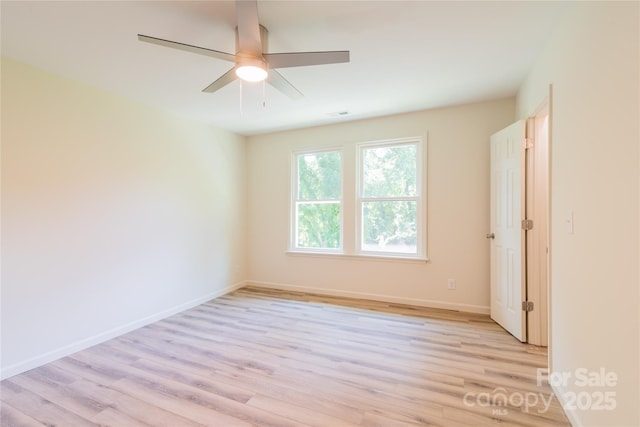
[(389, 198), (364, 199), (318, 193)]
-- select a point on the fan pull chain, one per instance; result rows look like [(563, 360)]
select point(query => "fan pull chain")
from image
[(264, 94), (240, 97)]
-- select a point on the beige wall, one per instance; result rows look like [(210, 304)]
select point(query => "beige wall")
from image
[(458, 210), (593, 63), (113, 215)]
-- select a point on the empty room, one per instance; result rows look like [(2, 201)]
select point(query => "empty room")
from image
[(320, 213)]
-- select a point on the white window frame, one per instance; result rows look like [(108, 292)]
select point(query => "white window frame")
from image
[(420, 198), (293, 241)]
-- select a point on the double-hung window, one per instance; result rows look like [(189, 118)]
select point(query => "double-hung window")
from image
[(317, 222), (366, 199), (390, 199)]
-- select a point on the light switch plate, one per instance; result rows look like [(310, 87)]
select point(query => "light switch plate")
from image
[(570, 222)]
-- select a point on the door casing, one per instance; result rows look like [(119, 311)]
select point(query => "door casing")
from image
[(537, 239)]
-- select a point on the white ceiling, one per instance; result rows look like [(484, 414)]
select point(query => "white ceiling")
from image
[(405, 56)]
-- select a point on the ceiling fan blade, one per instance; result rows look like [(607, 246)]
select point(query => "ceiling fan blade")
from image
[(299, 59), (222, 81), (248, 27), (188, 48), (276, 80)]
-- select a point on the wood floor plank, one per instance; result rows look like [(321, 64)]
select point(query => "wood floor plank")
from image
[(39, 408), (125, 407), (264, 357), (192, 407), (423, 418), (11, 417), (62, 395), (114, 418), (299, 413)]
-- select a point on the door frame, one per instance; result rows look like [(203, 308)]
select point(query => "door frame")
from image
[(538, 208)]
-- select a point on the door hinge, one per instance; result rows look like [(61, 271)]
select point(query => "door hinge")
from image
[(528, 143), (527, 224), (527, 305)]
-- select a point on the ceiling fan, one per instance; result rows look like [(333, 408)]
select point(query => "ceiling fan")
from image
[(252, 62)]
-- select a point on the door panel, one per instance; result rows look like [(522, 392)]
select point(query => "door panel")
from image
[(507, 246)]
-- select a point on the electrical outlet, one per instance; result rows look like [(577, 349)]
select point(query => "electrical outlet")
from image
[(451, 284)]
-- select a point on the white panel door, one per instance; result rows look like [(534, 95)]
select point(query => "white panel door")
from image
[(507, 235)]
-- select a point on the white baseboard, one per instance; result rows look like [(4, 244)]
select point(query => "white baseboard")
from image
[(571, 415), (468, 308), (56, 354)]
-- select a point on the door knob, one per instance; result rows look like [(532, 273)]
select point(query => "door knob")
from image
[(491, 236)]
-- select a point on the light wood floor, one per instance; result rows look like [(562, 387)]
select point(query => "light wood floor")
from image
[(274, 358)]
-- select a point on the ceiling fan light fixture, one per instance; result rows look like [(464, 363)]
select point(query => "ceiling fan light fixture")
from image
[(251, 71), (251, 63)]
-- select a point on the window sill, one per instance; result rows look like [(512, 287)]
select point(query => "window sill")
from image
[(358, 257)]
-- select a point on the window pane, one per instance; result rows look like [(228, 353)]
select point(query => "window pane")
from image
[(389, 226), (319, 176), (389, 171), (318, 225)]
